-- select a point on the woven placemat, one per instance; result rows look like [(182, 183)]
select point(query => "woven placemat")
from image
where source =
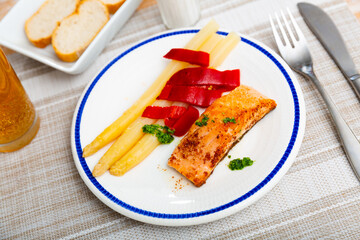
[(43, 196)]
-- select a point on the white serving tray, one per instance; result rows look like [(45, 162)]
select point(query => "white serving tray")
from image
[(12, 36)]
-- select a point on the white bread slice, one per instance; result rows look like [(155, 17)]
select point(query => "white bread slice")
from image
[(113, 5), (75, 32), (41, 25)]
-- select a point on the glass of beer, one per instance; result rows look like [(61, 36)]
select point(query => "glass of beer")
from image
[(19, 122)]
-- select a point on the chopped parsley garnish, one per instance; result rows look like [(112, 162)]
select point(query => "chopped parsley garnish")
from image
[(238, 164), (203, 121), (150, 128), (229, 156), (163, 133), (227, 120)]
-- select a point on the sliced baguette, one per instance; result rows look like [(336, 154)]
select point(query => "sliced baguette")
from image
[(113, 5), (41, 25), (76, 31)]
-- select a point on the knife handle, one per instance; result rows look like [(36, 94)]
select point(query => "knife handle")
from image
[(350, 143), (355, 83)]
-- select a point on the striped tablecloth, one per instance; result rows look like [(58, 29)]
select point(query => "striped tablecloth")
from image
[(43, 197)]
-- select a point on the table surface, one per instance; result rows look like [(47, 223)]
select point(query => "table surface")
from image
[(6, 5), (43, 197)]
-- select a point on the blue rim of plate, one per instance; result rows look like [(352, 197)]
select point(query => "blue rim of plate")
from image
[(205, 212)]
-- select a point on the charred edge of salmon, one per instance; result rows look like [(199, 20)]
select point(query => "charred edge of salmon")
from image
[(199, 176)]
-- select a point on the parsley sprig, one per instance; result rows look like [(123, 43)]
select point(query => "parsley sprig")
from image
[(238, 163), (163, 133), (229, 120), (203, 121)]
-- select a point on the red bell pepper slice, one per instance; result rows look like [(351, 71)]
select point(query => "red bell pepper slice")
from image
[(175, 117), (175, 113), (156, 112), (190, 56), (183, 124), (197, 96), (201, 76), (170, 122)]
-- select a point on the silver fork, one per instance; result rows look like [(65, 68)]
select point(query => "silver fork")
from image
[(297, 55)]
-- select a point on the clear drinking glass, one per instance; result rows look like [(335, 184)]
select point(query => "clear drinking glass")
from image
[(179, 13), (19, 122)]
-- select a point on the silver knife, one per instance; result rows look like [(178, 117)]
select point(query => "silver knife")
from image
[(327, 33)]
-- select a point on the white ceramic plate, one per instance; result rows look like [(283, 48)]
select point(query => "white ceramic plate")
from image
[(12, 35), (154, 193)]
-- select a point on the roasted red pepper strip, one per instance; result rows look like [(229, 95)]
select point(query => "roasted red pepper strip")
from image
[(175, 117), (201, 76), (197, 96), (190, 56), (155, 112), (170, 122), (184, 123)]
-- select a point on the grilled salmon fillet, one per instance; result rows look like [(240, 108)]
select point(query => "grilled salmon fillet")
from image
[(229, 118)]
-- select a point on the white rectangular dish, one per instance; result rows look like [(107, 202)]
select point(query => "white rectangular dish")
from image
[(12, 36)]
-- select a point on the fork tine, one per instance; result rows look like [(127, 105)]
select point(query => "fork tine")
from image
[(275, 32), (296, 26), (288, 29), (287, 42)]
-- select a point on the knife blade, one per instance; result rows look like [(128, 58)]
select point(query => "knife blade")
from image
[(327, 33)]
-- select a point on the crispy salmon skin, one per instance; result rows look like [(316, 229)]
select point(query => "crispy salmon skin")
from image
[(221, 126)]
